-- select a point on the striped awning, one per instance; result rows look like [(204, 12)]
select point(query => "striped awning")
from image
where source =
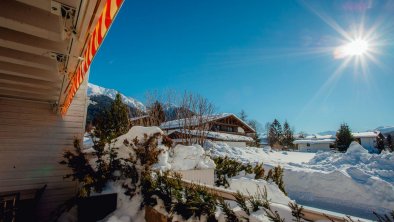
[(95, 39)]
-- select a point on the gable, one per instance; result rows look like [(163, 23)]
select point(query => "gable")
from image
[(234, 121)]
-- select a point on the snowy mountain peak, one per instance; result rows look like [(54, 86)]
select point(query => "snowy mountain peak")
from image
[(95, 90), (385, 129)]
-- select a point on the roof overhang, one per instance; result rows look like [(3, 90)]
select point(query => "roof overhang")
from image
[(46, 46)]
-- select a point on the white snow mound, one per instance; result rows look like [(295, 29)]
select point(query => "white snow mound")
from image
[(190, 157)]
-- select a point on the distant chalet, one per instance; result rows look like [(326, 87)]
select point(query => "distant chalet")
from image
[(225, 127)]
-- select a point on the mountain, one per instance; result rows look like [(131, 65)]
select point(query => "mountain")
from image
[(95, 90), (329, 132), (100, 98), (171, 111), (385, 130)]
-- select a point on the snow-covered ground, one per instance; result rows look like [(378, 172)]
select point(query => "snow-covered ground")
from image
[(355, 183)]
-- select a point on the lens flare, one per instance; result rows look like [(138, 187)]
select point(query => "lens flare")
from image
[(356, 48)]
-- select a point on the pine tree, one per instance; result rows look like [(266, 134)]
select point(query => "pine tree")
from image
[(256, 136), (288, 137), (113, 122), (380, 142), (389, 142), (275, 133), (157, 113), (344, 137)]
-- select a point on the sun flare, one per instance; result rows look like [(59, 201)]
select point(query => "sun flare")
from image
[(356, 48)]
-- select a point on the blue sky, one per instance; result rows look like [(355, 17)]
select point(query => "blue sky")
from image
[(273, 59)]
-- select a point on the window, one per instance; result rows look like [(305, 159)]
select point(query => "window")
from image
[(308, 144)]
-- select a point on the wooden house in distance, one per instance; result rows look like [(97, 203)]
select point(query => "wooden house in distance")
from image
[(145, 120), (225, 127)]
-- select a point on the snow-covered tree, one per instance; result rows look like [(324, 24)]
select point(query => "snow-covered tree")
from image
[(380, 142), (344, 137), (389, 142), (113, 122), (256, 136), (275, 133), (288, 138)]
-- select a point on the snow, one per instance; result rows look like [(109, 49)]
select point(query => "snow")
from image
[(314, 141), (256, 155), (365, 134), (87, 141), (217, 135), (354, 183), (190, 157), (179, 158), (127, 209), (94, 90), (247, 185)]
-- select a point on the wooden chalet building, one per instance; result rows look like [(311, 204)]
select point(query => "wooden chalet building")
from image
[(145, 120), (46, 48), (224, 127)]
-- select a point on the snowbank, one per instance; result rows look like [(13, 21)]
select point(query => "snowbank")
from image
[(190, 157), (255, 155), (249, 186), (181, 158), (354, 183), (127, 209)]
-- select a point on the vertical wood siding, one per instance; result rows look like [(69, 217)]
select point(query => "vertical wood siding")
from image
[(32, 141)]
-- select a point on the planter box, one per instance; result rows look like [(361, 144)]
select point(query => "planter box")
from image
[(151, 215), (204, 176), (95, 208)]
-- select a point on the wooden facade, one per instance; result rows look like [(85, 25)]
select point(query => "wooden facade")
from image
[(230, 124), (143, 121), (32, 140), (43, 44)]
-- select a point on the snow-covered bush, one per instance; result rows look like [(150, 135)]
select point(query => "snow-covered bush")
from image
[(227, 168)]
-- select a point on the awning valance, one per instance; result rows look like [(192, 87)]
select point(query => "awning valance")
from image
[(95, 39)]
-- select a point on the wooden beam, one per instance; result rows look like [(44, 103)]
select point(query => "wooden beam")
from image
[(46, 4), (5, 78), (35, 96), (27, 59), (31, 20), (309, 214), (29, 89), (29, 72), (31, 44)]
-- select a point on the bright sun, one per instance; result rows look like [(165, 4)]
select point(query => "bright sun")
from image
[(357, 47)]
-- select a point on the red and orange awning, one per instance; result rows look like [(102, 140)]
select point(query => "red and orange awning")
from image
[(96, 38)]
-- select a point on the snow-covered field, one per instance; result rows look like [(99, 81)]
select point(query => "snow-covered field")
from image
[(354, 183)]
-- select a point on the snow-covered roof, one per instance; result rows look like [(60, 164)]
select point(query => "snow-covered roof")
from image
[(365, 134), (314, 141), (195, 120), (319, 137), (216, 135), (138, 117)]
